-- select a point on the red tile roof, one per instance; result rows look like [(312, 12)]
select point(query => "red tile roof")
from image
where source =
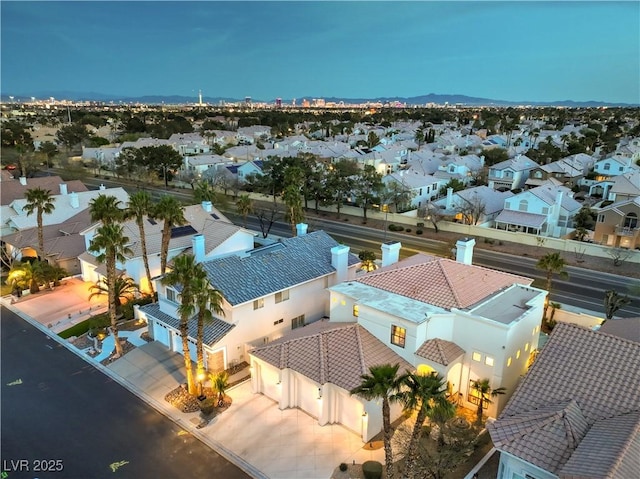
[(441, 282), (440, 351)]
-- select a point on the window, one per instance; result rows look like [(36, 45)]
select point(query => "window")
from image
[(356, 310), (537, 174), (282, 296), (607, 166), (545, 210), (398, 335), (524, 205), (518, 354), (258, 303), (600, 218), (275, 323), (476, 356), (172, 295), (297, 322), (631, 220), (509, 361), (488, 361)]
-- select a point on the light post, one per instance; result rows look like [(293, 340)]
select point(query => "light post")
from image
[(201, 377), (385, 208)]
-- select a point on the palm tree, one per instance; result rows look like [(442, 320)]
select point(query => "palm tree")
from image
[(125, 289), (613, 302), (382, 382), (483, 388), (245, 206), (23, 275), (40, 201), (169, 210), (292, 198), (220, 383), (139, 207), (421, 393), (439, 414), (552, 263), (208, 301), (110, 244), (182, 274), (106, 209)]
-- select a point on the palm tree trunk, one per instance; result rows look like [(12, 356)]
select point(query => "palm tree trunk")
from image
[(187, 355), (411, 460), (480, 410), (40, 234), (386, 428), (111, 280), (199, 345), (144, 255), (166, 236)]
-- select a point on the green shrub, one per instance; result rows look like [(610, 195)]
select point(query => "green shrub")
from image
[(408, 230), (418, 232), (207, 406), (127, 309), (420, 225), (76, 330), (343, 466), (372, 470)]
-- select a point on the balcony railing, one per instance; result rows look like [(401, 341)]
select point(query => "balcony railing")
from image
[(626, 231)]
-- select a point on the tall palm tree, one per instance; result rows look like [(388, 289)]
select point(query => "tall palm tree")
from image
[(40, 201), (292, 198), (613, 302), (245, 206), (421, 393), (208, 301), (125, 289), (552, 263), (382, 382), (106, 209), (140, 206), (169, 210), (110, 244), (485, 392), (182, 274)]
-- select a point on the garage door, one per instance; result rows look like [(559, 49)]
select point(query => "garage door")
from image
[(177, 346), (161, 334)]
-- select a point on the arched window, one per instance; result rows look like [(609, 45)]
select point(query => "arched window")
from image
[(524, 205)]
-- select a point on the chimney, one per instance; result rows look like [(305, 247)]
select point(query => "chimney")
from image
[(390, 252), (23, 181), (449, 203), (197, 244), (73, 200), (464, 250), (301, 229), (340, 261), (206, 205), (63, 188)]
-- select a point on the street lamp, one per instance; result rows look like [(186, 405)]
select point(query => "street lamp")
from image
[(385, 208), (201, 377)]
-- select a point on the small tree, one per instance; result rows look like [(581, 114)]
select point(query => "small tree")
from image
[(368, 259), (220, 383), (619, 255), (485, 392), (552, 263), (613, 302)]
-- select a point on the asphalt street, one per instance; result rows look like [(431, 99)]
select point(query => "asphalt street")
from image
[(62, 418)]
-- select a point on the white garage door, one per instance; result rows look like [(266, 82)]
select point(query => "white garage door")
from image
[(161, 334), (177, 346)]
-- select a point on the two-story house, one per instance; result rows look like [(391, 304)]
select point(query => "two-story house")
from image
[(215, 233), (617, 164), (424, 313), (576, 414), (546, 210), (423, 188), (267, 292), (511, 174), (479, 205), (567, 171), (618, 224)]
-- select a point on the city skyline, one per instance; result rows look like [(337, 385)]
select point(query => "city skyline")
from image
[(511, 51)]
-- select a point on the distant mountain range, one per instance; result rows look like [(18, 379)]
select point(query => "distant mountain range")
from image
[(415, 100)]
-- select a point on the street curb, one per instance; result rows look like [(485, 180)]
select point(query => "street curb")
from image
[(161, 408)]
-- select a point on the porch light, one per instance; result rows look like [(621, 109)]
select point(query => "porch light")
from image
[(319, 393)]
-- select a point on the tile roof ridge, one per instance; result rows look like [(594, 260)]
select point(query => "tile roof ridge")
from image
[(322, 346), (577, 327), (282, 355), (363, 365), (627, 444), (444, 271)]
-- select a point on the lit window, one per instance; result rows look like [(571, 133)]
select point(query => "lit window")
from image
[(476, 356), (488, 361), (518, 354), (282, 296), (356, 310), (258, 303), (509, 361), (398, 335), (275, 323), (534, 330), (343, 303), (526, 347), (172, 295)]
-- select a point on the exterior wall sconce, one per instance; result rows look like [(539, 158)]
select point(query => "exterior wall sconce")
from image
[(319, 393), (364, 414)]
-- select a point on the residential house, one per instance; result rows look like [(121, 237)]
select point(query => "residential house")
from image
[(197, 165), (423, 313), (249, 134), (423, 188), (479, 205), (568, 171), (267, 291), (576, 414), (16, 189), (616, 188), (546, 210), (214, 233), (618, 224), (617, 164), (511, 174), (461, 168), (190, 143)]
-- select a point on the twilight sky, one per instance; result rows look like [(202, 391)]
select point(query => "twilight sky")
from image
[(535, 51)]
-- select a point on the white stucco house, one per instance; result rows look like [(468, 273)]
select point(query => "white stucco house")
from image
[(267, 292), (423, 313), (511, 174), (546, 210), (207, 231)]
